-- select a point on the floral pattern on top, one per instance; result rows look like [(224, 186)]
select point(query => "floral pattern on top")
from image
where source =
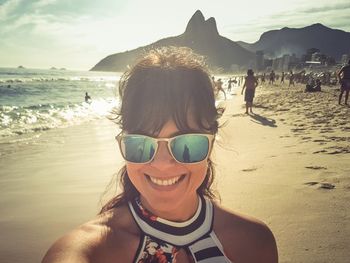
[(157, 252)]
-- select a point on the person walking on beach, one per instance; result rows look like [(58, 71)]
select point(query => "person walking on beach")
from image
[(282, 77), (219, 88), (166, 210), (263, 77), (272, 77), (344, 80), (291, 79), (230, 81), (249, 85)]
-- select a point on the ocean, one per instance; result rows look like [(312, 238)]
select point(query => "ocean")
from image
[(35, 100)]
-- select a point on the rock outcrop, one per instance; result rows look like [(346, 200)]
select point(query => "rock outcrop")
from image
[(200, 35), (329, 41)]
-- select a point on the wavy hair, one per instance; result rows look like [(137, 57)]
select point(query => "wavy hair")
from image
[(166, 83)]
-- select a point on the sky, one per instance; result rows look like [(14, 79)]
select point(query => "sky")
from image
[(77, 34)]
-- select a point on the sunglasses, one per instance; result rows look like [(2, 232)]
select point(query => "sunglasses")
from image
[(184, 148)]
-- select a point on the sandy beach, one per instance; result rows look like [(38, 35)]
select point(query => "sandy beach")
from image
[(288, 165)]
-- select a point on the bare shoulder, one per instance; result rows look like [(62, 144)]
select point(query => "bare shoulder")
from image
[(112, 235), (244, 239)]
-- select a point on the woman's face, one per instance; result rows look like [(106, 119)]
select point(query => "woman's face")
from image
[(168, 188)]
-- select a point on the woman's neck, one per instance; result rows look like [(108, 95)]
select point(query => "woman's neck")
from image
[(175, 214)]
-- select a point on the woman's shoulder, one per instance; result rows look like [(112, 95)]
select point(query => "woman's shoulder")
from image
[(112, 235), (245, 239)]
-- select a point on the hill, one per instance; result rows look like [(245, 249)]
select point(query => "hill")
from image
[(202, 36), (275, 43)]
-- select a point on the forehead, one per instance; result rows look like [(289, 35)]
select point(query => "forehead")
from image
[(170, 129)]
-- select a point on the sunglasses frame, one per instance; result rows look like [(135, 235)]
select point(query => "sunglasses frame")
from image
[(211, 139)]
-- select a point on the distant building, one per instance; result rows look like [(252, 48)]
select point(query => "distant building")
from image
[(276, 63), (316, 56), (268, 63), (286, 62), (311, 51), (330, 61), (345, 58), (283, 63), (259, 60)]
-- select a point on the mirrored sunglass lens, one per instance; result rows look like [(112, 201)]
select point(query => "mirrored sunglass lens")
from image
[(137, 149), (190, 148)]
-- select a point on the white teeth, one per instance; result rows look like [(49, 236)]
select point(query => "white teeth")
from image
[(165, 182)]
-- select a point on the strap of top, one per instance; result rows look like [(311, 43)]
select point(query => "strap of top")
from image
[(174, 233)]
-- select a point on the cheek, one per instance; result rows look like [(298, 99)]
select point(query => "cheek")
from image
[(198, 173), (135, 174)]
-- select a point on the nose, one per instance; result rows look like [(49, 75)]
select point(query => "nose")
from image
[(163, 156)]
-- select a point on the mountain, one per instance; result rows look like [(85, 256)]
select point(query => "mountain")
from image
[(201, 35), (329, 41)]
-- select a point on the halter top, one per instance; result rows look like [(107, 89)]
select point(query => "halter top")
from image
[(161, 239)]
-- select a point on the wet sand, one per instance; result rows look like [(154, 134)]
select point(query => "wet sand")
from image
[(287, 165), (51, 185)]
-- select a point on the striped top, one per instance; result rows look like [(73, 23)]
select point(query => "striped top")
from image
[(161, 239)]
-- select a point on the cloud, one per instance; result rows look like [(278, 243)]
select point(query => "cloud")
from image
[(334, 15), (43, 3), (327, 8), (8, 9)]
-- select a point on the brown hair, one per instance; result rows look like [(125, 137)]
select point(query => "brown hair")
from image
[(166, 83)]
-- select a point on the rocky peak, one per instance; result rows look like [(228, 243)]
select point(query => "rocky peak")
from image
[(199, 26), (211, 25)]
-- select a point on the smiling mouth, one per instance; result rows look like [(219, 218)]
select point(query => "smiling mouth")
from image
[(166, 182)]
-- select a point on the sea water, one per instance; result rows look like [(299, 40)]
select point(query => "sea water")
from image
[(33, 101), (36, 100)]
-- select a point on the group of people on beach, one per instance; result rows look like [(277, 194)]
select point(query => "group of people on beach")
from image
[(249, 85), (312, 85)]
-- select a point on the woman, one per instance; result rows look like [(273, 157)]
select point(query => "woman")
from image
[(250, 84), (344, 80), (166, 210)]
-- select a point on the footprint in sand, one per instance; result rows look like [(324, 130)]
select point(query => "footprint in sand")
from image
[(298, 129), (324, 185), (311, 183), (316, 167), (321, 151), (319, 141), (337, 139), (306, 138), (327, 186), (285, 136), (250, 169), (338, 150), (326, 130)]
